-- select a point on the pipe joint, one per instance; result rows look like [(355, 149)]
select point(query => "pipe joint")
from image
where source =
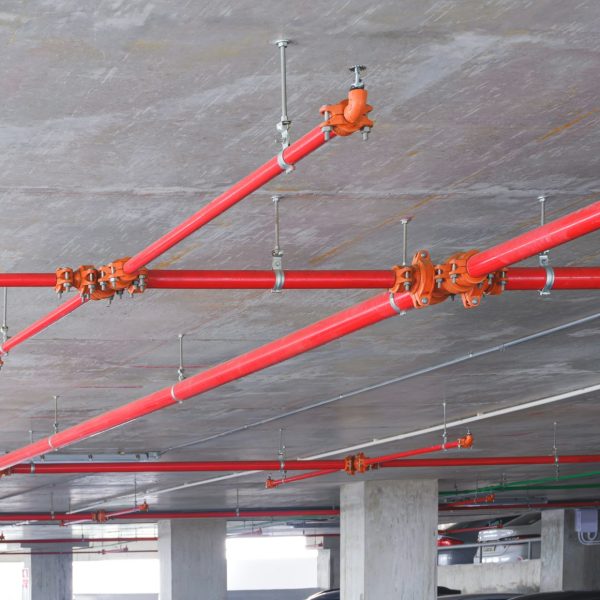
[(102, 283), (430, 283), (349, 115)]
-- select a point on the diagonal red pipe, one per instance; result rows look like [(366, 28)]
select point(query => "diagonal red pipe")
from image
[(58, 313), (273, 483), (295, 152), (336, 326), (537, 240)]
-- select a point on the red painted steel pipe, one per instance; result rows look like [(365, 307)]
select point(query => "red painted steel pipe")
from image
[(565, 278), (161, 515), (377, 460), (27, 279), (295, 152), (336, 326), (58, 313), (518, 278), (489, 461), (273, 483), (173, 466), (553, 234), (524, 506), (72, 540), (293, 280)]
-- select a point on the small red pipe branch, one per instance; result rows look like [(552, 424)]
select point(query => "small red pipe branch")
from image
[(307, 144), (540, 239), (102, 516), (472, 501), (58, 313), (523, 506), (331, 328), (273, 483)]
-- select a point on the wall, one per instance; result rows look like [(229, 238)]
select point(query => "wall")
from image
[(522, 576)]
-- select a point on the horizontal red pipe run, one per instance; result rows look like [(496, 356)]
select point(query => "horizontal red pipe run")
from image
[(252, 182), (291, 465), (524, 506), (492, 461), (293, 280), (174, 466), (76, 540), (58, 313), (72, 552), (565, 278), (331, 328), (538, 240), (161, 515), (518, 278)]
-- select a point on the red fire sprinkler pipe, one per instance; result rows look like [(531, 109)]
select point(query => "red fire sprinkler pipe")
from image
[(565, 278), (58, 313), (336, 326), (490, 461), (538, 240), (291, 155)]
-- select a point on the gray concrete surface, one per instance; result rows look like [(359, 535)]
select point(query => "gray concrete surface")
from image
[(388, 540), (192, 560), (566, 564), (50, 575), (328, 563), (521, 576)]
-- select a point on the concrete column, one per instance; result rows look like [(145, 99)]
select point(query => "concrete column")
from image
[(566, 564), (388, 540), (48, 576), (328, 563), (192, 559)]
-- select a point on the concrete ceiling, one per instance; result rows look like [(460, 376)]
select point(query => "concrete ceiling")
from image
[(120, 119)]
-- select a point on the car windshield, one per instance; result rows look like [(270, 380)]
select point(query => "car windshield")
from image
[(527, 519)]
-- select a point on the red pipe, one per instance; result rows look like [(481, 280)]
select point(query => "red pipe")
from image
[(72, 552), (161, 515), (58, 313), (558, 232), (397, 455), (518, 278), (72, 540), (27, 279), (273, 483), (333, 327), (565, 278), (293, 280), (295, 152), (511, 507), (173, 467), (422, 463)]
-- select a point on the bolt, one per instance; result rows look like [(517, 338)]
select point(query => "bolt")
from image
[(66, 286), (358, 82), (439, 282), (425, 301), (365, 133), (474, 302), (103, 285), (423, 254), (453, 278), (407, 285)]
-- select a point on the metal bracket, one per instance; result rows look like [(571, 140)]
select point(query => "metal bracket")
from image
[(545, 291), (284, 165), (4, 327), (283, 127), (181, 369), (395, 306), (277, 252)]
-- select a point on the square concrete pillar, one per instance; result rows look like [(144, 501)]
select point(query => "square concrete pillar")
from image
[(389, 540), (49, 576), (566, 564), (192, 559), (328, 563)]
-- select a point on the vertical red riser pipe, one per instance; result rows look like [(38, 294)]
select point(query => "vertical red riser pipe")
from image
[(295, 152)]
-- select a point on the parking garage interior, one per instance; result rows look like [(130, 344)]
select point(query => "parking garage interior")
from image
[(273, 269)]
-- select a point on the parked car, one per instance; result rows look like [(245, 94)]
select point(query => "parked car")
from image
[(335, 594), (561, 596), (465, 532), (525, 527)]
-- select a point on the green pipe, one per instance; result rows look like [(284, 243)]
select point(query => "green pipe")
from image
[(523, 484)]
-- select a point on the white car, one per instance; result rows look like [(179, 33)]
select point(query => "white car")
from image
[(527, 527)]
